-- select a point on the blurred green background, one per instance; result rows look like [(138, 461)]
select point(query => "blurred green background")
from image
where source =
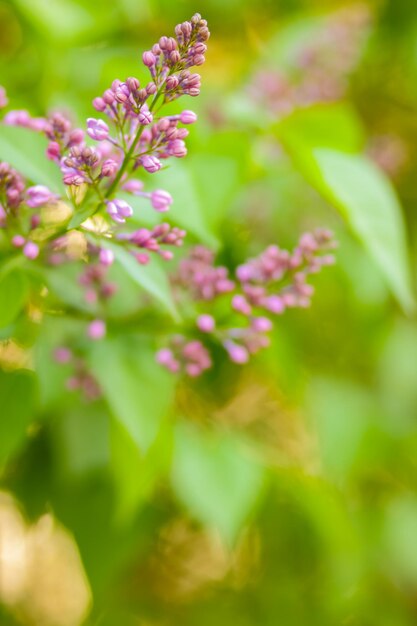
[(323, 518)]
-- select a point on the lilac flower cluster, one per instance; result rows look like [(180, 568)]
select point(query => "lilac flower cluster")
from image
[(264, 287), (134, 137)]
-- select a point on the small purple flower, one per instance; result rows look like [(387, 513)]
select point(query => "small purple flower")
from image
[(188, 117), (145, 116), (96, 330), (18, 241), (161, 200), (109, 167), (148, 58), (97, 129), (31, 250), (275, 304), (237, 354), (151, 163), (119, 210), (38, 196), (62, 355), (261, 324), (133, 186), (241, 305), (206, 323), (106, 257)]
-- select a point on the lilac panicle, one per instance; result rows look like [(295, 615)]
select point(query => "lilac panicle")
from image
[(264, 287)]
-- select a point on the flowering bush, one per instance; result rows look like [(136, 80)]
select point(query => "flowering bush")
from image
[(139, 138)]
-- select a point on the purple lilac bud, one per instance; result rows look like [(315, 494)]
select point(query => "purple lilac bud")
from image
[(145, 116), (106, 257), (62, 355), (18, 241), (206, 323), (151, 163), (275, 304), (99, 104), (97, 129), (109, 168), (241, 305), (188, 117), (119, 210), (96, 330), (161, 200), (261, 324), (53, 151), (148, 58), (38, 196), (238, 354), (133, 186), (31, 250)]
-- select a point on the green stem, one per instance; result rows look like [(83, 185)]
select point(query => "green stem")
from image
[(129, 154)]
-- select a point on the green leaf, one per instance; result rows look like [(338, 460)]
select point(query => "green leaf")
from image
[(215, 479), (187, 210), (367, 201), (18, 400), (135, 473), (13, 296), (25, 150), (153, 278), (324, 143), (137, 389)]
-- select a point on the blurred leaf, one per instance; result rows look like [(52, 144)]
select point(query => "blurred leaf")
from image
[(13, 296), (18, 400), (135, 473), (153, 278), (137, 389), (188, 209), (215, 479), (342, 414), (361, 193), (82, 439), (25, 150), (367, 201), (323, 125), (400, 538)]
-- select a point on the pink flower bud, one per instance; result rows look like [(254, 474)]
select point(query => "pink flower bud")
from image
[(133, 186), (31, 250), (148, 58), (97, 129), (108, 96), (241, 305), (99, 104), (188, 117), (237, 354), (39, 195), (96, 330), (109, 167), (119, 210), (261, 324), (106, 256), (18, 241), (145, 116), (177, 148), (206, 323), (53, 151), (151, 163), (275, 304), (62, 355), (161, 200)]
